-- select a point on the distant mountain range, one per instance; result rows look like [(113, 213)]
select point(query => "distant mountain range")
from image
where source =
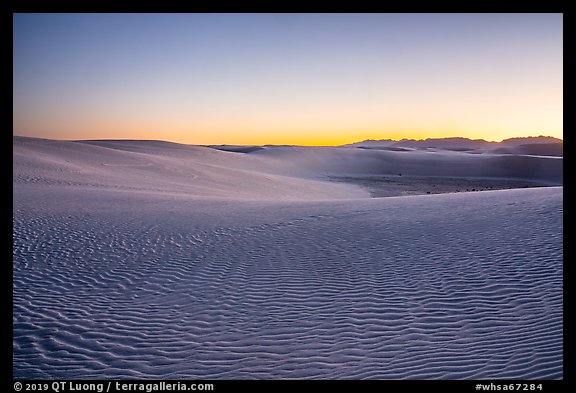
[(538, 145)]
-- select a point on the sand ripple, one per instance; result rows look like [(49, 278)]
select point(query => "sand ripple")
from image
[(440, 287)]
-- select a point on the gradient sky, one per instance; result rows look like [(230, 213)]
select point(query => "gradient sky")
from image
[(287, 78)]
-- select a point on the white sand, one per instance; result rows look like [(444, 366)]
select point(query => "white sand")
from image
[(157, 260)]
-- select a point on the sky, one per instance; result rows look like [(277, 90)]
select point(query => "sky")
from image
[(308, 79)]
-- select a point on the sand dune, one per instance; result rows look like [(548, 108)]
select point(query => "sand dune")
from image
[(536, 149), (140, 259), (154, 166), (352, 161)]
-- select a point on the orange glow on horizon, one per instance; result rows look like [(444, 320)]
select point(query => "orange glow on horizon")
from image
[(324, 126), (280, 137)]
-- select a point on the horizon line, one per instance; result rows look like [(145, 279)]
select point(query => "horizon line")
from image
[(294, 144)]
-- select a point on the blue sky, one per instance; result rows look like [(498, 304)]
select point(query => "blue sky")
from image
[(287, 78)]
